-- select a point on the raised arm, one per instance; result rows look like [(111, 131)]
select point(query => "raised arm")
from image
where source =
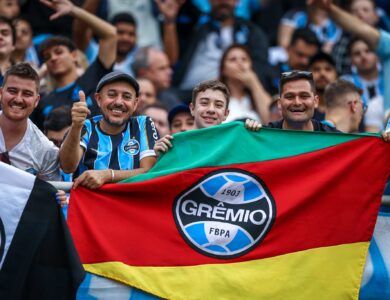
[(103, 30), (349, 23), (71, 151)]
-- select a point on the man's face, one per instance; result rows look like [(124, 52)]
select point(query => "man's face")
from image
[(9, 8), (127, 37), (299, 54), (160, 119), (210, 108), (147, 93), (117, 101), (323, 74), (23, 35), (183, 121), (6, 40), (60, 60), (365, 11), (19, 97), (223, 9), (363, 58), (159, 71), (297, 102)]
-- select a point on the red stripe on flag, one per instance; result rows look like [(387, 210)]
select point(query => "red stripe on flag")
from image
[(323, 198)]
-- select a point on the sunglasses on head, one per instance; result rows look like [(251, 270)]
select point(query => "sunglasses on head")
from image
[(296, 74)]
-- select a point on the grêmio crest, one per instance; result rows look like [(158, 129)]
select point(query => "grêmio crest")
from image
[(225, 214)]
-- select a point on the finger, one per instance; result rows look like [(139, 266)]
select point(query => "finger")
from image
[(82, 96), (55, 16), (47, 3), (167, 143)]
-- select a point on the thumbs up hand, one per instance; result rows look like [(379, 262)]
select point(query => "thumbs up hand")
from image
[(80, 111)]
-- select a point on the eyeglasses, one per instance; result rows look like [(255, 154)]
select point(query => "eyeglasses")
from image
[(4, 157), (296, 74)]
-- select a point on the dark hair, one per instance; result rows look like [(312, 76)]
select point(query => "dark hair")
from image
[(7, 21), (58, 119), (356, 39), (222, 78), (22, 70), (214, 85), (305, 34), (124, 17), (57, 41), (322, 56), (157, 105), (335, 92), (294, 76)]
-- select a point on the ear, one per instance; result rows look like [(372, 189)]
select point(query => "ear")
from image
[(37, 101), (227, 111), (279, 105), (98, 98), (192, 109), (136, 101), (316, 101)]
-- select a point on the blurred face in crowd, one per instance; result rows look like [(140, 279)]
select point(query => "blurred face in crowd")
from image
[(159, 71), (160, 119), (236, 60), (363, 58), (118, 102), (19, 97), (323, 74), (60, 60), (23, 35), (127, 38), (209, 108), (9, 8), (299, 54), (147, 93), (57, 137), (357, 107), (365, 11), (182, 121), (6, 40), (223, 9), (297, 103)]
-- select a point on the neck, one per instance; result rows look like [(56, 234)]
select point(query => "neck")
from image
[(307, 126), (110, 129), (236, 88), (339, 120), (5, 63), (13, 131), (18, 55), (65, 79)]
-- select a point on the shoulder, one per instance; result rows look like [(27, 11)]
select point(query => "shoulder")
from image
[(321, 126), (276, 124)]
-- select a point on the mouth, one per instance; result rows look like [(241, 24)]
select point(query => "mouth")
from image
[(297, 110), (17, 107), (118, 112)]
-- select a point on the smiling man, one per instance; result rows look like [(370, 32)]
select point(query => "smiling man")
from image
[(297, 102), (112, 146)]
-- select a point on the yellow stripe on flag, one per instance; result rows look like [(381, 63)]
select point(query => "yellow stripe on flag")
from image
[(321, 273)]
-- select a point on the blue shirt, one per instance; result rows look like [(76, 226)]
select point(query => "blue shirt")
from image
[(383, 51)]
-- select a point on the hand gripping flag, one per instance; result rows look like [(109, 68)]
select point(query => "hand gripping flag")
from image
[(232, 214), (37, 255)]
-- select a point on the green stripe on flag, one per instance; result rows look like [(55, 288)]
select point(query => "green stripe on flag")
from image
[(231, 143)]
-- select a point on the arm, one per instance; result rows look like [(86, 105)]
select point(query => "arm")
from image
[(71, 151), (349, 22), (105, 31), (170, 9)]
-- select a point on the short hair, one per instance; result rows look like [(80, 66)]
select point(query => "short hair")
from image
[(294, 76), (356, 39), (305, 34), (123, 17), (22, 70), (57, 40), (141, 61), (214, 85), (322, 56), (157, 105), (335, 92), (58, 119), (4, 20)]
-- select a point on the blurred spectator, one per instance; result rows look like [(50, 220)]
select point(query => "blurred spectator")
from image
[(147, 94), (153, 64), (248, 99), (324, 72), (315, 19), (180, 119), (24, 49), (57, 124), (304, 45), (9, 8), (205, 45), (344, 106), (61, 58), (159, 114), (7, 45)]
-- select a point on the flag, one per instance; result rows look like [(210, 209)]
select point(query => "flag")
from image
[(37, 255), (232, 214)]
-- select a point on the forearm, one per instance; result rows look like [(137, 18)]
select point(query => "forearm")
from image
[(262, 101), (353, 25), (119, 175), (171, 43), (70, 152)]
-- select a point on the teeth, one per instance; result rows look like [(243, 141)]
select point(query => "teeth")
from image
[(116, 111)]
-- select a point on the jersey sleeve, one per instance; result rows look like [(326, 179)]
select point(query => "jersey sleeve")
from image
[(85, 134), (148, 138)]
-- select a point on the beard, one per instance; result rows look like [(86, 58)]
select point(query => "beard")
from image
[(222, 12)]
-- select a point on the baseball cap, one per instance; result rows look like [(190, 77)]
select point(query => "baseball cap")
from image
[(176, 110), (118, 76)]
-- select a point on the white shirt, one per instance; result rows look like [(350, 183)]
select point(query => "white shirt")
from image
[(34, 154), (241, 109)]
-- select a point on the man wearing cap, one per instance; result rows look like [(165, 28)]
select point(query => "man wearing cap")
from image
[(180, 119), (113, 146)]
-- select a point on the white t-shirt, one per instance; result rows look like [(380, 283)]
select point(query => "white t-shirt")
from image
[(34, 154), (241, 109), (375, 113)]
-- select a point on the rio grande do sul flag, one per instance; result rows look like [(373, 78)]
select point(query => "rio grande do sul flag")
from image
[(232, 214)]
